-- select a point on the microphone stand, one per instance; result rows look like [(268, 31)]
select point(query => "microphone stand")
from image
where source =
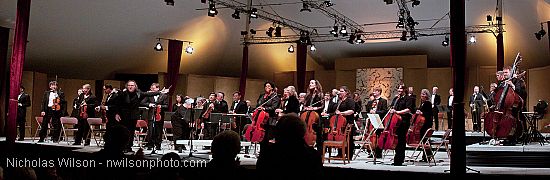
[(153, 133)]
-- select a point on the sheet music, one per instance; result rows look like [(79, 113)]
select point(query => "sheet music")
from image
[(375, 121)]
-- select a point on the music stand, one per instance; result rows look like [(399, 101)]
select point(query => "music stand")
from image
[(532, 134), (377, 125), (215, 118)]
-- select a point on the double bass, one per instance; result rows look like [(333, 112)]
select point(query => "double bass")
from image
[(255, 132), (337, 125), (388, 138), (503, 122)]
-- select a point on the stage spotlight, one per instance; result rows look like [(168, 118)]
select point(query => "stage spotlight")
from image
[(254, 13), (328, 3), (169, 2), (334, 31), (489, 18), (277, 32), (351, 39), (189, 49), (445, 42), (359, 40), (343, 30), (388, 2), (413, 36), (236, 14), (158, 47), (312, 48), (305, 7), (269, 32), (212, 12), (403, 36), (252, 31), (541, 33), (203, 1), (472, 39), (244, 33), (291, 49), (415, 3)]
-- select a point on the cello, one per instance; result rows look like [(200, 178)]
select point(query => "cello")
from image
[(255, 132), (310, 117), (503, 122), (388, 138), (414, 135), (337, 125)]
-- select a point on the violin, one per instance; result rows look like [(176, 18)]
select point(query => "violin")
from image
[(206, 115), (157, 113), (56, 104), (503, 122), (388, 138)]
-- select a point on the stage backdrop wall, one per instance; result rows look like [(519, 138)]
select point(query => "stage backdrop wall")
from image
[(388, 79), (539, 89)]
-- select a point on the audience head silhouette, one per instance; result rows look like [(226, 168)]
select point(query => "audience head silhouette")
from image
[(116, 138), (226, 145), (290, 129)]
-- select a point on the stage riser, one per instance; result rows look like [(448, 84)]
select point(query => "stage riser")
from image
[(509, 159)]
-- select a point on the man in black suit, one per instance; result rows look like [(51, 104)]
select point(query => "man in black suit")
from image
[(128, 106), (436, 101), (88, 101), (109, 106), (239, 107), (378, 106), (154, 128), (52, 110), (476, 102), (450, 106), (23, 102)]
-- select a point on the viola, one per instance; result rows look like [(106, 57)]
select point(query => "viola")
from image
[(414, 135), (206, 115), (310, 118), (388, 138), (503, 122), (83, 111), (337, 125)]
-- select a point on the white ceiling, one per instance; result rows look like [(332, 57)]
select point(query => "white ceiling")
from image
[(95, 39)]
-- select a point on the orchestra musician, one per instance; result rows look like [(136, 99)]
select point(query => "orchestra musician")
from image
[(76, 107), (358, 104), (208, 106), (302, 101), (379, 106), (346, 107), (220, 106), (519, 87), (450, 107), (88, 101), (289, 102), (476, 102), (490, 99), (23, 102), (154, 134), (128, 103), (314, 102), (109, 105), (53, 103), (239, 107), (403, 106), (271, 103), (436, 101), (183, 115), (425, 109)]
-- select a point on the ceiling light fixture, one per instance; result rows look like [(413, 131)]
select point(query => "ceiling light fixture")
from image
[(415, 3), (403, 36), (343, 30), (158, 46), (328, 3), (269, 32), (472, 39), (254, 13), (305, 7), (236, 14), (312, 48), (445, 42), (212, 12), (189, 49), (291, 49), (541, 33), (169, 2), (277, 31)]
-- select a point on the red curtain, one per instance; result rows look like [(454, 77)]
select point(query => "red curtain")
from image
[(17, 60), (175, 48)]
